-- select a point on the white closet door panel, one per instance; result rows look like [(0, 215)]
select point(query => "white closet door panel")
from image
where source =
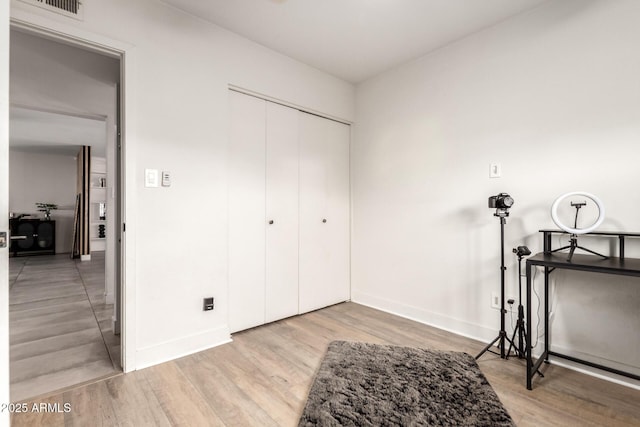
[(282, 210), (324, 214), (246, 212), (312, 207), (337, 230)]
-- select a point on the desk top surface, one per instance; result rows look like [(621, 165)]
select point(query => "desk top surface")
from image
[(611, 265), (596, 233)]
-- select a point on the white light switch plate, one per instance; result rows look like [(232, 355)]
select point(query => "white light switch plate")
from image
[(151, 177)]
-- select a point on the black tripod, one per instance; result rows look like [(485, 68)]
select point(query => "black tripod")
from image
[(521, 252), (573, 239), (502, 335), (521, 330)]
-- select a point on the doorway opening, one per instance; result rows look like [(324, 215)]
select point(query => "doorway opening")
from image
[(65, 147)]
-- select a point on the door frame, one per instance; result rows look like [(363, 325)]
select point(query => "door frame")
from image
[(4, 209), (76, 37)]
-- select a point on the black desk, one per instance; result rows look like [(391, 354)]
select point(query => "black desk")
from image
[(552, 260)]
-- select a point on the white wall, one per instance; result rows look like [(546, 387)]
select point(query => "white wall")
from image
[(184, 66), (47, 178), (51, 76), (553, 96)]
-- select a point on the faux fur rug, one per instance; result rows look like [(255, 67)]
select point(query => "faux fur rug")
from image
[(362, 384)]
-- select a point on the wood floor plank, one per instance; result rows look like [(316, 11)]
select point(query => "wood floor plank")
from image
[(178, 398), (259, 386), (45, 417), (133, 402), (91, 405), (227, 399)]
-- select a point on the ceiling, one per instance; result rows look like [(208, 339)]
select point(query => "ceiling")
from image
[(52, 133), (354, 39)]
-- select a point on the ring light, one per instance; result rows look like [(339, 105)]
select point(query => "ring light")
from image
[(554, 213)]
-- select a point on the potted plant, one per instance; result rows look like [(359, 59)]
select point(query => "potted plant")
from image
[(46, 208)]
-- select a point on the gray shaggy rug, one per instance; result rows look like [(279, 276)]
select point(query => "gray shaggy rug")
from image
[(362, 384)]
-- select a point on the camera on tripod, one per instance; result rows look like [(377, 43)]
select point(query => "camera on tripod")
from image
[(500, 201)]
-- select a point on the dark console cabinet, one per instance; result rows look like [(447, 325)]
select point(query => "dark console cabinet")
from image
[(33, 237)]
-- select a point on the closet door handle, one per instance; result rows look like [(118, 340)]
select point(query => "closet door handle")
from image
[(270, 222)]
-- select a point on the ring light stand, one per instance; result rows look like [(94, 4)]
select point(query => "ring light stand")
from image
[(575, 231)]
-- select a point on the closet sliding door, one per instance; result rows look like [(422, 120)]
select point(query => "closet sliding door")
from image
[(281, 187), (263, 212), (247, 150), (324, 212), (288, 212)]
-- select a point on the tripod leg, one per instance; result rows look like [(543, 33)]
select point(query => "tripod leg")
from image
[(488, 346), (512, 345), (524, 331), (593, 252), (571, 251), (522, 334), (505, 339)]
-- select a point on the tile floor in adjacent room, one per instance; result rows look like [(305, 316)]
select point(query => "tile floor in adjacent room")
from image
[(60, 325)]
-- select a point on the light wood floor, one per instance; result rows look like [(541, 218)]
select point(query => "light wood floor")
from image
[(262, 379), (57, 320)]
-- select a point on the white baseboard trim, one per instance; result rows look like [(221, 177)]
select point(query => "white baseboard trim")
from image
[(480, 333), (170, 350), (437, 320), (595, 372), (109, 298)]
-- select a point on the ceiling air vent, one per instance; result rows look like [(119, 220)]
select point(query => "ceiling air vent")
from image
[(72, 8)]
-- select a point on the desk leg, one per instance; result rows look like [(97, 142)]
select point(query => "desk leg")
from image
[(546, 314), (528, 323), (546, 242)]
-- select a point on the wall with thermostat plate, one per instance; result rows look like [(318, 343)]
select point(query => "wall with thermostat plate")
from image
[(182, 71), (552, 95)]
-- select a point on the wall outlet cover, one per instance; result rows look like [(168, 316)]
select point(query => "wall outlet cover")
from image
[(207, 304), (495, 300), (495, 170)]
